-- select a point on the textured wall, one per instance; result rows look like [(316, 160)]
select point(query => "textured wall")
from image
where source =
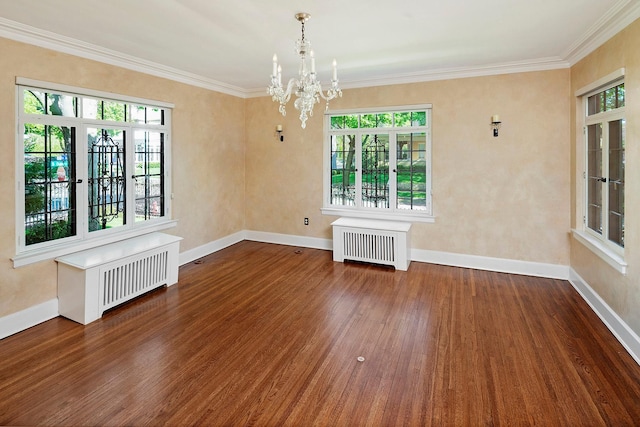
[(505, 197), (622, 293), (207, 147)]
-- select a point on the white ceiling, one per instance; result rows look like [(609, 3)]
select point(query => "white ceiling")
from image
[(227, 45)]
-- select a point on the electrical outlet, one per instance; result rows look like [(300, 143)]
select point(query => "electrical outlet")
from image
[(306, 221)]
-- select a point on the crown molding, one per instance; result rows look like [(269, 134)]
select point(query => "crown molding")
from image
[(615, 20), (46, 39), (542, 64)]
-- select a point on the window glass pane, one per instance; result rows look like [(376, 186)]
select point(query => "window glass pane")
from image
[(621, 95), (611, 99), (616, 181), (607, 100), (337, 122), (402, 119), (148, 115), (419, 118), (343, 174), (411, 171), (106, 179), (375, 170), (149, 175), (89, 108), (49, 175), (376, 120), (155, 116), (113, 111), (594, 177), (34, 102), (61, 105), (592, 107), (138, 114)]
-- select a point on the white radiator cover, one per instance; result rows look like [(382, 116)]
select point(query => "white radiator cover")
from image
[(374, 241), (95, 280)]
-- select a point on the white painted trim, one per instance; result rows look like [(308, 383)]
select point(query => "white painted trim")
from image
[(501, 265), (53, 251), (24, 33), (607, 80), (289, 239), (75, 91), (618, 327), (603, 252), (27, 318), (611, 23), (384, 216), (21, 320), (209, 248), (540, 64), (604, 29)]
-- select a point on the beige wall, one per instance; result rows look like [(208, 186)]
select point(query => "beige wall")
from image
[(621, 293), (505, 197), (207, 148), (508, 197)]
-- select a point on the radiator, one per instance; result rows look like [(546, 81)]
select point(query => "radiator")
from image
[(377, 242), (134, 276), (95, 280)]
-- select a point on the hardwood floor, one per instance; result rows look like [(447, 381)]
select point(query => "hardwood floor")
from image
[(269, 335)]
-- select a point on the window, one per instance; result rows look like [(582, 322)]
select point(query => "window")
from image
[(90, 167), (377, 163), (605, 160), (601, 181)]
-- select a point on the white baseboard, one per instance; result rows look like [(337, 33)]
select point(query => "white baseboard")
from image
[(618, 327), (16, 322), (27, 318), (501, 265), (211, 247), (290, 240)]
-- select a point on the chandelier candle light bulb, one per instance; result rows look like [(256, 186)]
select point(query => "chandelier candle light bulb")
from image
[(306, 86)]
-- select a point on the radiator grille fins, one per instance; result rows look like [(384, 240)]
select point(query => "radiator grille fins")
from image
[(133, 278), (375, 248)]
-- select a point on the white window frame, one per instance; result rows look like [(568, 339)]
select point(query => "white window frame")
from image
[(599, 244), (390, 213), (84, 239)]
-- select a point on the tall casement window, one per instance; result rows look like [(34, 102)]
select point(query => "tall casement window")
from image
[(601, 186), (88, 166), (378, 163), (605, 152)]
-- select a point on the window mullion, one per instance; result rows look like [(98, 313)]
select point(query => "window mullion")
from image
[(130, 181), (605, 183), (393, 171), (358, 155)]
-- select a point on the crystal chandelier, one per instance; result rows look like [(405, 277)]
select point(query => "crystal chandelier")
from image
[(307, 88)]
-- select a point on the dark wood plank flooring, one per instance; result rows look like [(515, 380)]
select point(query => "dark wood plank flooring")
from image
[(269, 335)]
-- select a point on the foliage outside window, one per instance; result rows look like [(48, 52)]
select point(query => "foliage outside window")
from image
[(90, 166), (605, 139), (379, 162)]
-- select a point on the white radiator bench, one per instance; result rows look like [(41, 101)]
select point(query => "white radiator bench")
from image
[(375, 241), (94, 280)]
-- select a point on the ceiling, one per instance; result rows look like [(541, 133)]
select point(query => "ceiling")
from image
[(227, 45)]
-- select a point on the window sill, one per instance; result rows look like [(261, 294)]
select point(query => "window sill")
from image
[(395, 216), (51, 252), (597, 247)]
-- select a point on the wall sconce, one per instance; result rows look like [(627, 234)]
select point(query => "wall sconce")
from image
[(279, 132), (495, 124)]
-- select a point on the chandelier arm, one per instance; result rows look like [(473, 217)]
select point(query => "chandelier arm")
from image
[(290, 85)]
